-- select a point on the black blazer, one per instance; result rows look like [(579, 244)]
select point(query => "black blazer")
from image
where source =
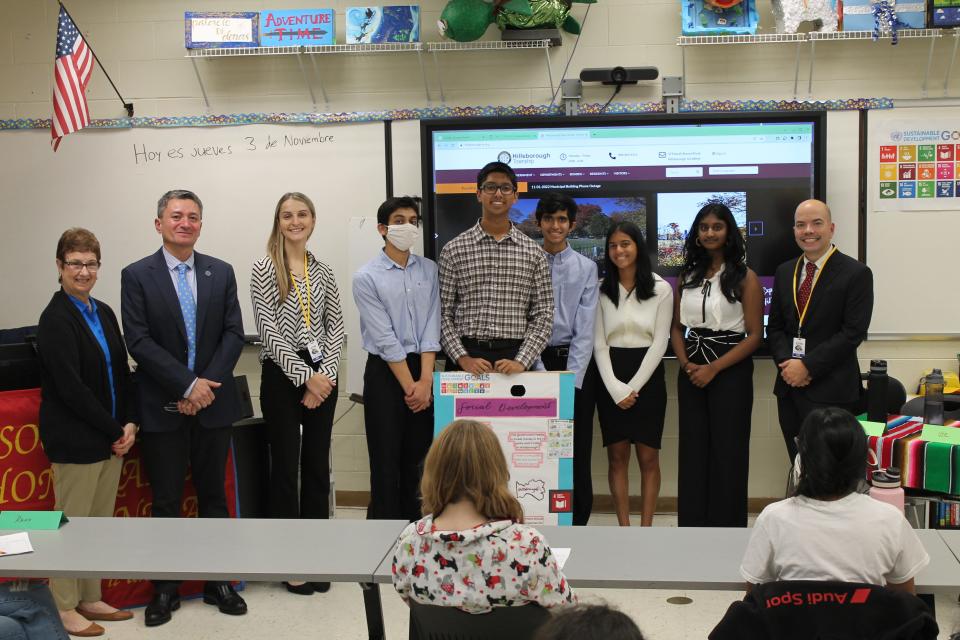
[(76, 426), (157, 339), (838, 317)]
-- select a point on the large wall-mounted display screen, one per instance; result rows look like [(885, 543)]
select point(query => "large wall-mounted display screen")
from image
[(657, 171)]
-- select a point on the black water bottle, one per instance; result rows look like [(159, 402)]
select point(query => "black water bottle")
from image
[(933, 398), (877, 391)]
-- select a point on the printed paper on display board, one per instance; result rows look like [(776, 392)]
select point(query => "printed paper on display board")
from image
[(532, 415), (914, 165)]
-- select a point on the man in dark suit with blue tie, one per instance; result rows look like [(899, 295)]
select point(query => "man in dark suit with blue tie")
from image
[(819, 314), (182, 324)]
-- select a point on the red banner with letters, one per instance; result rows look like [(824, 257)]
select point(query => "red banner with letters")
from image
[(26, 484)]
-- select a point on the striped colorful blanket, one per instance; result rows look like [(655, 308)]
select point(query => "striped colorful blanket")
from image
[(932, 466)]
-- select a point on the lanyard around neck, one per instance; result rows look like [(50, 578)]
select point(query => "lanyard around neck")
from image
[(304, 308), (803, 314)]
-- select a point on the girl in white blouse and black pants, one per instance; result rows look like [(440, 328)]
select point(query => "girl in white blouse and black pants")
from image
[(631, 335), (718, 324), (297, 309)]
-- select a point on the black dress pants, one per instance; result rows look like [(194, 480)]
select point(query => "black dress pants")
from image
[(397, 441), (167, 455), (584, 407), (714, 454), (290, 453), (792, 409)]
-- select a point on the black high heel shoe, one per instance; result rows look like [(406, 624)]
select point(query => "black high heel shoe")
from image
[(305, 589), (320, 587)]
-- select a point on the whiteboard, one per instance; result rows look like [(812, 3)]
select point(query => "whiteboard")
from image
[(914, 253), (843, 149), (109, 181), (407, 167), (364, 241)]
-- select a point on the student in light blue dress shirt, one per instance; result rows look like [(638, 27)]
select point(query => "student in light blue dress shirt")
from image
[(398, 297), (570, 348)]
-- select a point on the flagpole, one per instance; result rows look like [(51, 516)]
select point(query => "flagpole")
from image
[(126, 105)]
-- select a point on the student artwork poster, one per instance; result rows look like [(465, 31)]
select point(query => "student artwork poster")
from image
[(532, 415)]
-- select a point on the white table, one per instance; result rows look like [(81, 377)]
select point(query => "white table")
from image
[(942, 575), (214, 549), (688, 558)]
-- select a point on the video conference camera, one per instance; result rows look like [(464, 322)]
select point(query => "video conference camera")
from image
[(619, 75)]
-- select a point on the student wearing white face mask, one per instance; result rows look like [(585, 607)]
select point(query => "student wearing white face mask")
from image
[(397, 295)]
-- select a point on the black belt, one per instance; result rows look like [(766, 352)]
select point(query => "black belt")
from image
[(557, 351), (491, 345), (708, 345)]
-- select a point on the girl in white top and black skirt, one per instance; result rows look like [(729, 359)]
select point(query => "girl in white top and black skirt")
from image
[(630, 338), (717, 325)]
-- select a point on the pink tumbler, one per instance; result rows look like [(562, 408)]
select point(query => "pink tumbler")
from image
[(885, 487)]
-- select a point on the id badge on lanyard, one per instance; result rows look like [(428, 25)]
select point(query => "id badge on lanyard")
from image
[(799, 347), (316, 353), (313, 347)]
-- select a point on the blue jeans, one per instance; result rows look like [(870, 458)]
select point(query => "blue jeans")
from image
[(32, 610), (10, 629)]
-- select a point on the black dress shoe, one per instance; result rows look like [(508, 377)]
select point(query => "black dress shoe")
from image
[(305, 589), (320, 587), (226, 599), (159, 610)]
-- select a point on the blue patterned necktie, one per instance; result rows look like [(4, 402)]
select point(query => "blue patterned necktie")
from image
[(189, 308)]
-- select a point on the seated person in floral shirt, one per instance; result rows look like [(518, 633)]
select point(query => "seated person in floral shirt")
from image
[(472, 549)]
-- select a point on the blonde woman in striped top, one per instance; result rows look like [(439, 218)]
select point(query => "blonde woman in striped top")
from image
[(297, 309)]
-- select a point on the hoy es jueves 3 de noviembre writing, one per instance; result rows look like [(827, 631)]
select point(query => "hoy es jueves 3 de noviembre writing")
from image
[(143, 154)]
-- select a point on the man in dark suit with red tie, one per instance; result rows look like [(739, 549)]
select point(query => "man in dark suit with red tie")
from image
[(819, 315), (182, 324)]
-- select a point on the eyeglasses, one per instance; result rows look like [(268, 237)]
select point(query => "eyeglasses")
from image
[(491, 188), (76, 265)]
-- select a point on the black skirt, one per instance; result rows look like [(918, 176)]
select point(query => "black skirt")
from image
[(643, 422)]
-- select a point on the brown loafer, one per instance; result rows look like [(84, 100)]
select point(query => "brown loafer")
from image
[(116, 616), (92, 631)]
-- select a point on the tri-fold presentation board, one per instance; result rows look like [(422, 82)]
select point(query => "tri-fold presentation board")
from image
[(532, 415)]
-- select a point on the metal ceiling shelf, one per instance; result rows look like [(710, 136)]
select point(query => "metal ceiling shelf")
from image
[(310, 52), (812, 38)]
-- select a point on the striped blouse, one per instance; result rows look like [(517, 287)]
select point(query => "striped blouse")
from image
[(282, 327)]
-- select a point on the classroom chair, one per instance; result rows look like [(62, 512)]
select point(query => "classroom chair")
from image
[(951, 407), (806, 609), (19, 365), (429, 622)]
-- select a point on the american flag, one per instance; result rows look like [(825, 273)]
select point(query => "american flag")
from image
[(71, 73)]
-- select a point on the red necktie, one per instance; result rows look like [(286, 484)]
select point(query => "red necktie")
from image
[(803, 294)]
